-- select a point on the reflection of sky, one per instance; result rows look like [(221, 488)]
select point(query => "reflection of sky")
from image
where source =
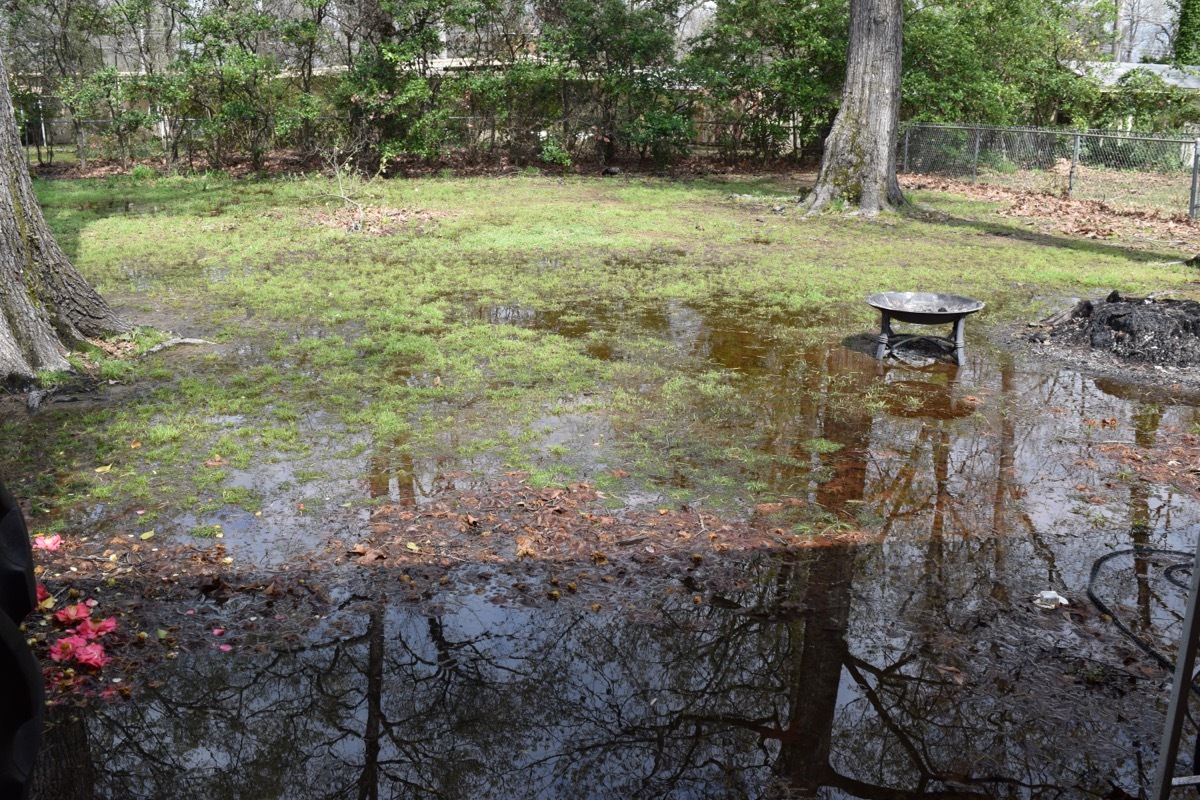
[(556, 701), (559, 701), (1055, 531)]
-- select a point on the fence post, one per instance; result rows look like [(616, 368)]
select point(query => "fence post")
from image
[(23, 124), (42, 126), (1074, 163), (907, 131), (1195, 177), (975, 158)]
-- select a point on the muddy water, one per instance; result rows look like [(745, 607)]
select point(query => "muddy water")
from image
[(909, 663)]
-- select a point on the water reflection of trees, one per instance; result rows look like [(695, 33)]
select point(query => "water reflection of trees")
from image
[(895, 669), (837, 672), (808, 684)]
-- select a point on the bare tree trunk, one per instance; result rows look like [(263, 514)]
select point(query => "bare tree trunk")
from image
[(45, 304), (859, 163)]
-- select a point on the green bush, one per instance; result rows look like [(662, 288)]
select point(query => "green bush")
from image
[(663, 135), (553, 153)]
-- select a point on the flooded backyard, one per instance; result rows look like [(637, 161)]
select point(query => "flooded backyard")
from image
[(595, 489), (868, 632)]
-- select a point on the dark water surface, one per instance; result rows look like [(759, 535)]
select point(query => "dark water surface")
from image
[(907, 662)]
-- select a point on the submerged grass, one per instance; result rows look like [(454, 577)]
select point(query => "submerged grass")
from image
[(683, 323)]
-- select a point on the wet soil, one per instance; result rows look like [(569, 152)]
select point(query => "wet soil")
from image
[(1151, 341), (408, 625), (472, 636), (1140, 329)]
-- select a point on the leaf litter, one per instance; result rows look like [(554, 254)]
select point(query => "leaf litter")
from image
[(1090, 219)]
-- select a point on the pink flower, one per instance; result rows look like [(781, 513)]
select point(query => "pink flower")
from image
[(45, 600), (218, 631), (72, 614), (90, 629), (91, 655), (225, 648), (66, 647), (47, 542)]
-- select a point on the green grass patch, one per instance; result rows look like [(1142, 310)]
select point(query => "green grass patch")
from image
[(686, 327)]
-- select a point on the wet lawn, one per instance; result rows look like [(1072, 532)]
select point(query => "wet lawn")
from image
[(582, 487)]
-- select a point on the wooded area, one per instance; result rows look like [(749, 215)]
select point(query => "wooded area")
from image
[(553, 82)]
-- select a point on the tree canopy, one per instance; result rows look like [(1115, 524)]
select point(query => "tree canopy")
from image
[(203, 83)]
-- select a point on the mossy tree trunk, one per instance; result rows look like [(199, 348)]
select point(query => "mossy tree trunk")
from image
[(859, 163), (1187, 39), (45, 304)]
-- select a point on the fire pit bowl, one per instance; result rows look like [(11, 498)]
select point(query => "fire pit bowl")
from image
[(923, 308)]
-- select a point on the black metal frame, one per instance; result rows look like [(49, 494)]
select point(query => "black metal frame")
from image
[(890, 340), (1181, 689)]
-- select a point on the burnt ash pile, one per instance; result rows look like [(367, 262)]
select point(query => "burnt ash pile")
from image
[(1140, 329)]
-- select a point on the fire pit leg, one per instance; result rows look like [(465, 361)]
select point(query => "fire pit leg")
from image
[(960, 346), (885, 336)]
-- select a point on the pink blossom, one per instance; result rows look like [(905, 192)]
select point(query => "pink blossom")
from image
[(66, 647), (90, 629), (225, 648), (72, 614), (91, 655), (47, 542), (218, 631), (45, 600)]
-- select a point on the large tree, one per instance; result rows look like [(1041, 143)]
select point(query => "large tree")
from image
[(859, 163), (45, 304), (1187, 39)]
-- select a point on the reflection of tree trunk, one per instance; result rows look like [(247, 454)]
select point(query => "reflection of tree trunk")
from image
[(1145, 426), (389, 461), (935, 582), (368, 781), (807, 740), (64, 765), (1005, 476)]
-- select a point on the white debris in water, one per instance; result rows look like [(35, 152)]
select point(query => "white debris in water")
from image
[(1050, 599)]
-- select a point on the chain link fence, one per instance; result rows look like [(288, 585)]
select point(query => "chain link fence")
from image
[(60, 141), (1129, 171), (188, 142)]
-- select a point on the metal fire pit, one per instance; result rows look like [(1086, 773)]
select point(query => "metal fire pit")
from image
[(923, 308)]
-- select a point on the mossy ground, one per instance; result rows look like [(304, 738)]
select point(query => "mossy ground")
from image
[(645, 335)]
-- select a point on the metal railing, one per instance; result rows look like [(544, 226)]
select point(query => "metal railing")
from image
[(1127, 170)]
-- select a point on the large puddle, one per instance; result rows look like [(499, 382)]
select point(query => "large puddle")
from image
[(907, 659)]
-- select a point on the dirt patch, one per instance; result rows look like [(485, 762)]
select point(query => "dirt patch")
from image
[(505, 522), (1141, 329), (1148, 342), (1173, 460), (379, 221), (524, 545)]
